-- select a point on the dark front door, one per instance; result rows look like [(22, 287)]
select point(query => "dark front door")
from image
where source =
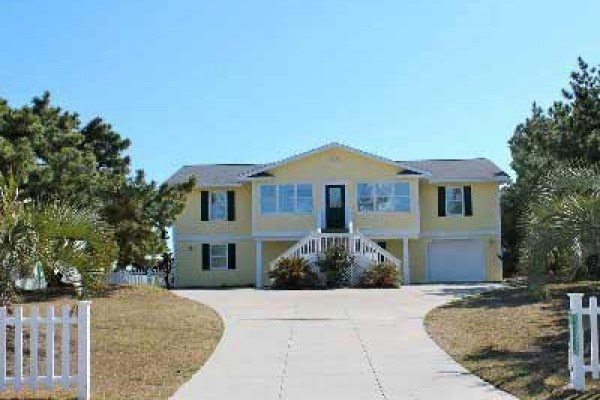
[(335, 206)]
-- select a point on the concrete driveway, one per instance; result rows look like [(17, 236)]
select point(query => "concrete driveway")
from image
[(350, 344)]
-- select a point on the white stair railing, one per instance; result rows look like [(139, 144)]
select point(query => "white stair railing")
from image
[(359, 246)]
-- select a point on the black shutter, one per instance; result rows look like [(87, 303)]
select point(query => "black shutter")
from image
[(230, 205), (468, 200), (441, 201), (204, 205), (231, 255), (205, 256)]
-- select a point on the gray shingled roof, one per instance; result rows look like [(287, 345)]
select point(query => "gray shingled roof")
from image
[(475, 168), (211, 174), (230, 174)]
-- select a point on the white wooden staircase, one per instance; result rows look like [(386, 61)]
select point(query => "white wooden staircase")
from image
[(365, 251)]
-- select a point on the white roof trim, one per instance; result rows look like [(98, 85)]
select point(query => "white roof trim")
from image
[(218, 185), (501, 179), (333, 145)]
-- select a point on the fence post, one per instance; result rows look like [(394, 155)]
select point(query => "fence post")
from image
[(594, 336), (34, 348), (50, 347), (83, 350), (2, 348), (65, 347), (18, 371), (576, 366)]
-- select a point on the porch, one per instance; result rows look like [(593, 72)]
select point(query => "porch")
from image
[(365, 251)]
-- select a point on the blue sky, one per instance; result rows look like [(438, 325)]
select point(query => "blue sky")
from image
[(254, 81)]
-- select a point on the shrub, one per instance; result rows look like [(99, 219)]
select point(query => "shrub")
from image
[(335, 263), (293, 273), (382, 275)]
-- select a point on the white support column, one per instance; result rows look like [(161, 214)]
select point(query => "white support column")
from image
[(405, 261), (259, 268), (174, 266)]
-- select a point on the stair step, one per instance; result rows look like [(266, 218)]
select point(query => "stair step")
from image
[(341, 230)]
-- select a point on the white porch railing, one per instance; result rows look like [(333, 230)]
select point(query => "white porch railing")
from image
[(48, 324), (365, 251)]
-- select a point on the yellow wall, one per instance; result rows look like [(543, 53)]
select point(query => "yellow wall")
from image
[(272, 250), (337, 166), (189, 272), (189, 221), (485, 203)]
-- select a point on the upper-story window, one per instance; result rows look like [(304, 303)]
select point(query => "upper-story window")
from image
[(454, 200), (383, 197), (294, 198), (218, 206)]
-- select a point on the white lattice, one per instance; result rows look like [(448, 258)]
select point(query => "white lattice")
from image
[(364, 251)]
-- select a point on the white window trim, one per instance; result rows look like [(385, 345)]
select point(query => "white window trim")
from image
[(374, 197), (277, 212), (462, 196), (226, 256), (210, 209)]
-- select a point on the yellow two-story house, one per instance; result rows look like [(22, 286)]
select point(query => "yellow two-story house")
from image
[(437, 220)]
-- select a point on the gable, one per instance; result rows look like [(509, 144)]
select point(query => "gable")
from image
[(332, 164), (334, 153)]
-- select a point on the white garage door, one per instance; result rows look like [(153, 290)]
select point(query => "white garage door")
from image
[(456, 261)]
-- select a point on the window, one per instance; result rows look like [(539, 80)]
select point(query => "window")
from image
[(218, 206), (287, 198), (454, 201), (383, 197), (335, 197), (218, 256), (268, 199), (304, 198)]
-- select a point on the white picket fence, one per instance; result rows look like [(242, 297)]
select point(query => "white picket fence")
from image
[(137, 277), (48, 324), (577, 357)]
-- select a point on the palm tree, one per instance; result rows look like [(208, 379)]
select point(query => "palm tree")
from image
[(59, 236), (562, 221), (18, 242)]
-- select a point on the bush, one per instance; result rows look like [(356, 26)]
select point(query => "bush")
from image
[(293, 273), (335, 263), (383, 275)]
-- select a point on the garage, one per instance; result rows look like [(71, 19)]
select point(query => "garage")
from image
[(456, 261)]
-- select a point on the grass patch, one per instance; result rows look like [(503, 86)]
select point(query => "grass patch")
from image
[(513, 341), (146, 342)]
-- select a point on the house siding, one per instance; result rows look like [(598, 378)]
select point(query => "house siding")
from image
[(190, 223), (278, 232), (189, 272), (337, 166)]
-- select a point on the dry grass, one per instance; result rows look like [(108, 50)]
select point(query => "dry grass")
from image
[(512, 341), (146, 342)]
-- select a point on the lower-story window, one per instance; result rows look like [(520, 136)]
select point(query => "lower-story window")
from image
[(218, 256)]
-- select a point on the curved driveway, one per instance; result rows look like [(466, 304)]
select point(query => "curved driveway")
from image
[(350, 344)]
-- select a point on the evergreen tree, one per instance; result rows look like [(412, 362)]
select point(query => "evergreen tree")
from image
[(52, 156), (568, 132)]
